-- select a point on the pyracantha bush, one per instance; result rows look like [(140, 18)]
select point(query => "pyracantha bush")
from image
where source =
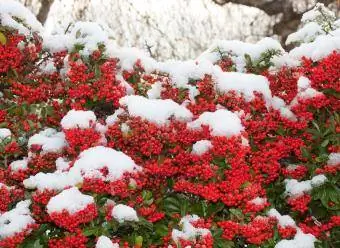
[(105, 147)]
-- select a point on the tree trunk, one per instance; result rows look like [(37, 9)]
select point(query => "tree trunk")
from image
[(44, 10)]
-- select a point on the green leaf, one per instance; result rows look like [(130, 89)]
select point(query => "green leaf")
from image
[(3, 39)]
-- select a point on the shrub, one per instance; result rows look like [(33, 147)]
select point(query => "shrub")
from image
[(105, 147)]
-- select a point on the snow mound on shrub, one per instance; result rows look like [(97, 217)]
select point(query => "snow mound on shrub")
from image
[(19, 165), (157, 111), (238, 49), (123, 213), (188, 231), (78, 119), (71, 200), (88, 165), (244, 84), (201, 147), (49, 139), (11, 11), (295, 188), (92, 160), (301, 240), (4, 133), (52, 181), (16, 220), (333, 159), (222, 122), (105, 242)]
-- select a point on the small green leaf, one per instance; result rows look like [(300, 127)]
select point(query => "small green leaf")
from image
[(3, 39)]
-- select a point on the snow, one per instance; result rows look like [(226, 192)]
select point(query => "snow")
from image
[(88, 165), (11, 10), (243, 84), (334, 159), (303, 83), (4, 133), (78, 119), (15, 220), (283, 220), (237, 50), (155, 91), (49, 139), (51, 181), (201, 147), (157, 111), (317, 13), (129, 56), (92, 160), (301, 240), (188, 231), (19, 164), (321, 47), (181, 72), (71, 200), (105, 242), (56, 42), (318, 180), (304, 91), (124, 213), (111, 119), (89, 34), (222, 122), (259, 201), (295, 188), (306, 34)]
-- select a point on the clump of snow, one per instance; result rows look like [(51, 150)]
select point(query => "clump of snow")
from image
[(129, 56), (56, 42), (318, 13), (49, 139), (334, 159), (123, 213), (155, 91), (105, 242), (301, 240), (245, 84), (279, 104), (305, 91), (318, 180), (295, 188), (221, 122), (188, 231), (182, 71), (201, 146), (283, 220), (16, 220), (78, 119), (321, 47), (259, 201), (157, 111), (92, 160), (19, 165), (111, 119), (303, 83), (62, 164), (88, 34), (71, 200), (11, 11), (237, 50), (306, 34), (53, 181), (4, 133), (89, 165)]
